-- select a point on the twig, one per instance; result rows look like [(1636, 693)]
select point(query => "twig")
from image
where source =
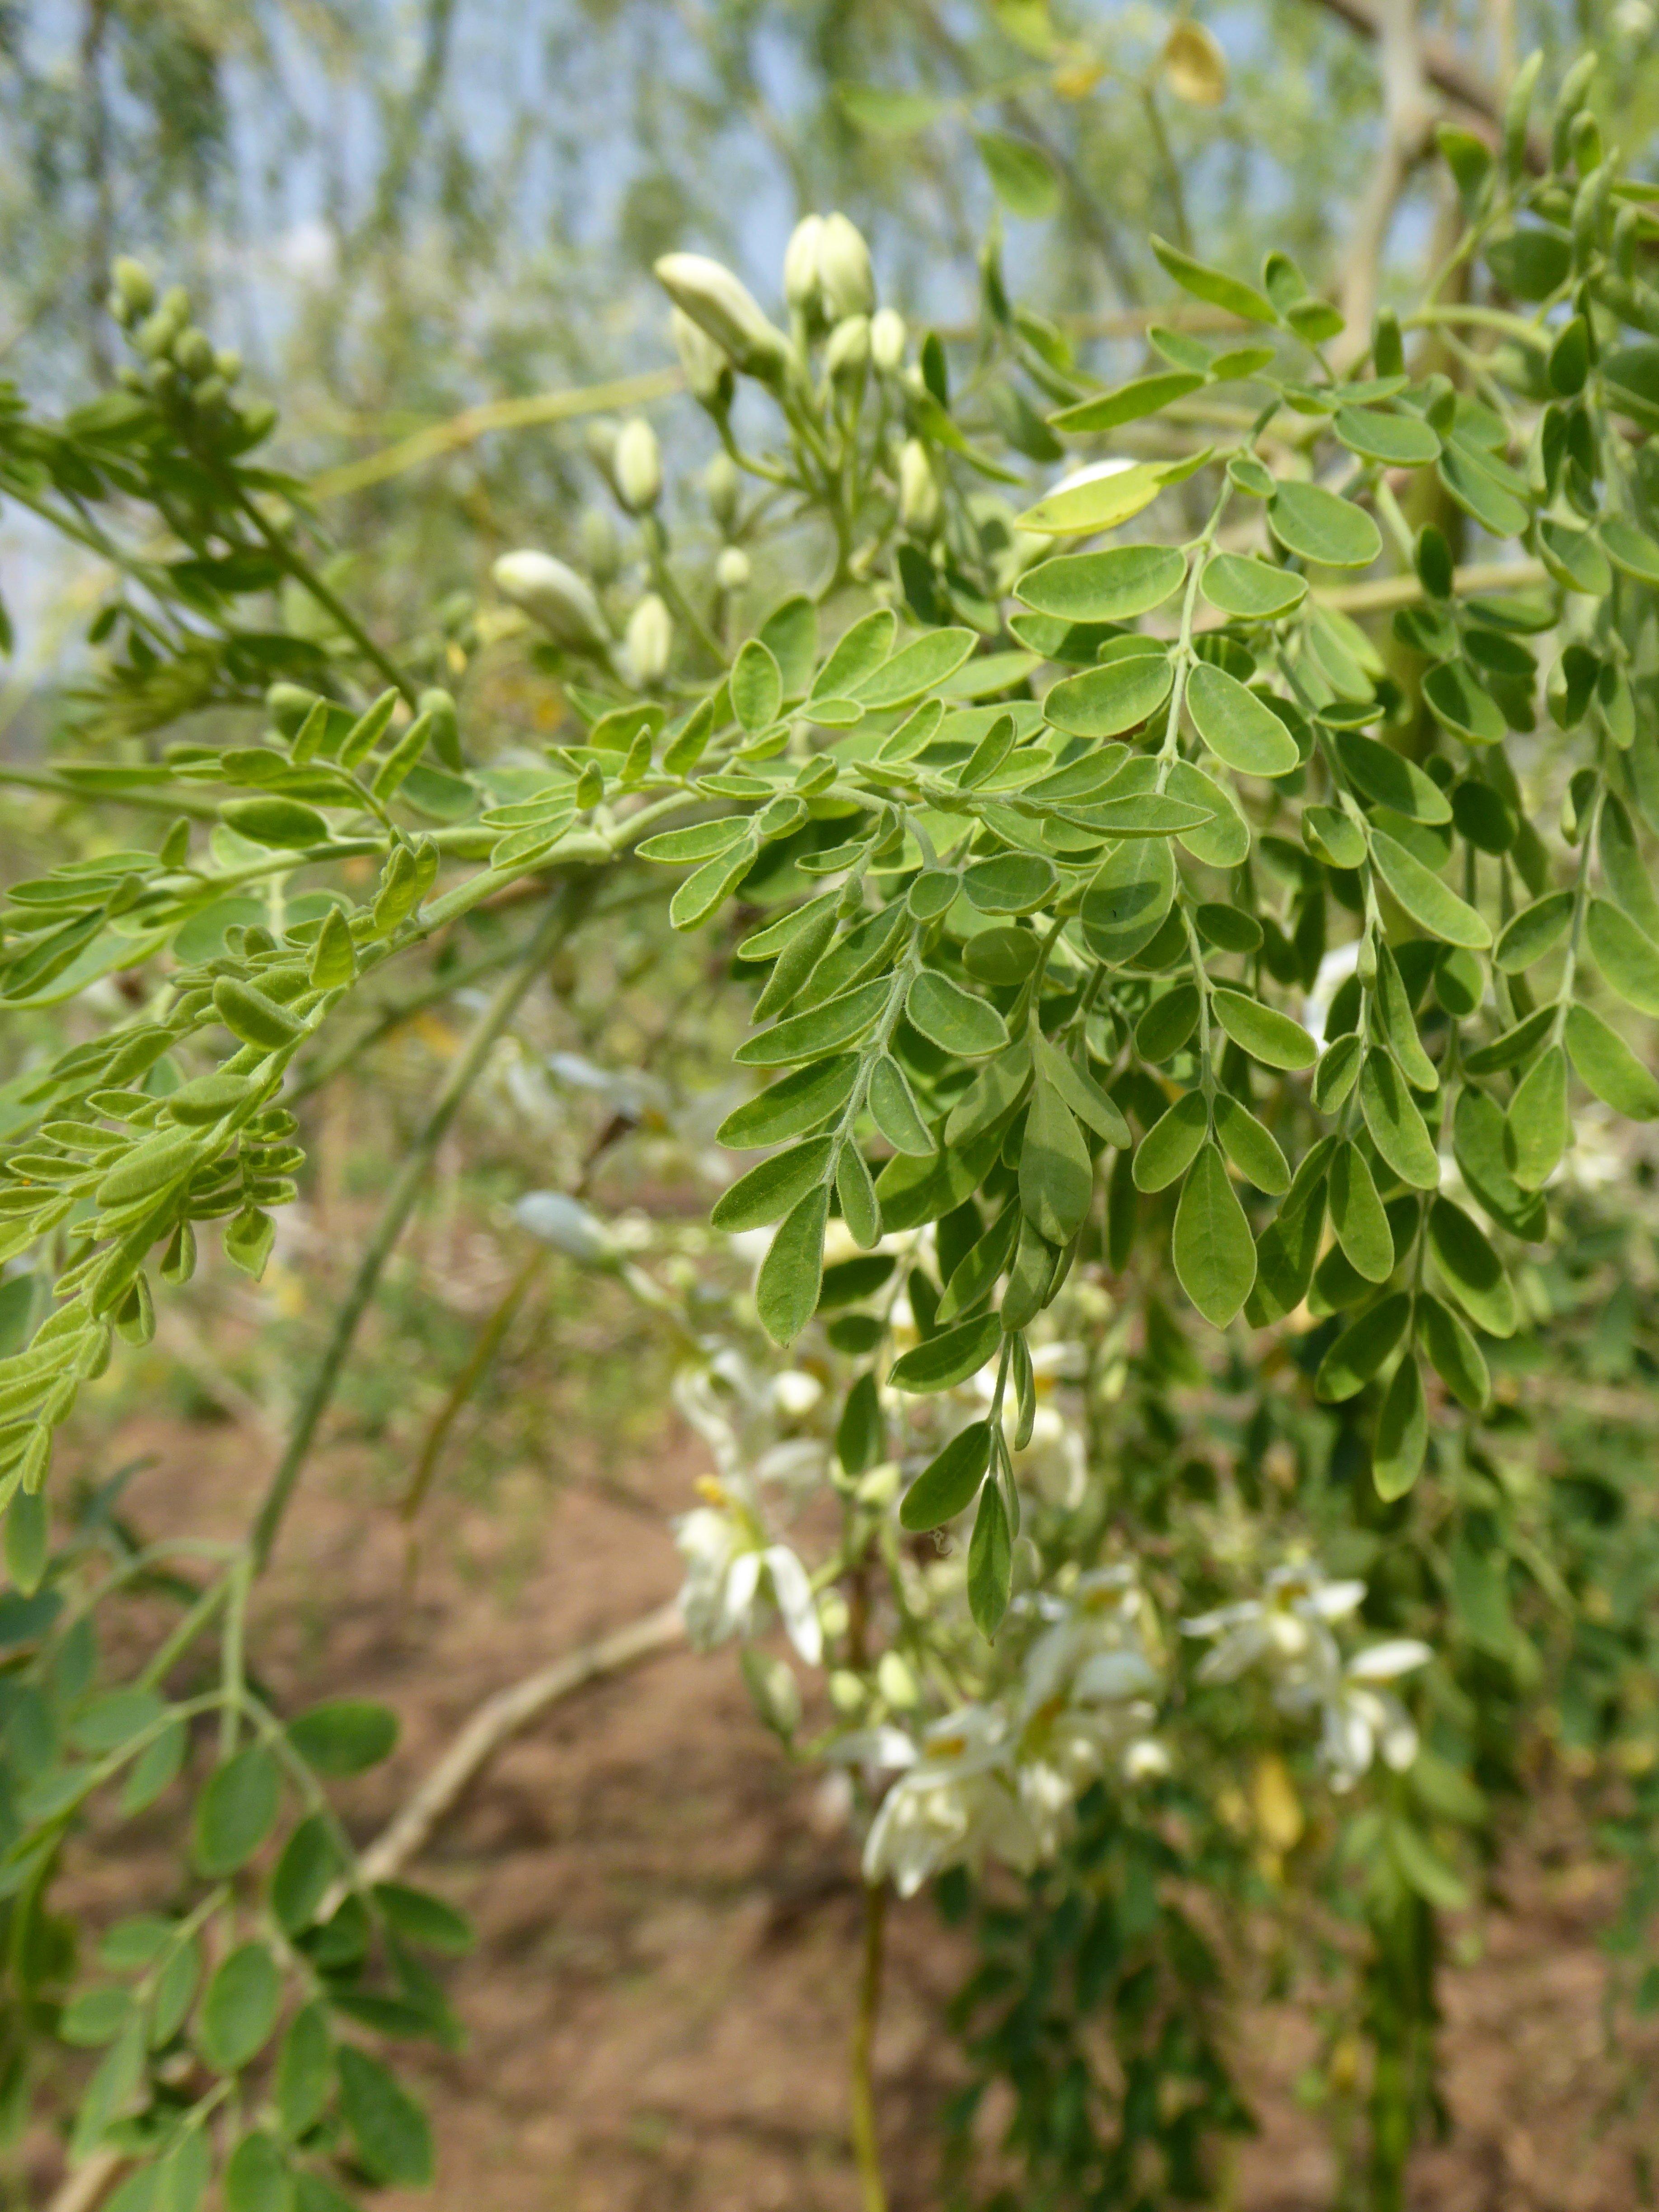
[(1446, 69), (1408, 120), (562, 910), (501, 1717)]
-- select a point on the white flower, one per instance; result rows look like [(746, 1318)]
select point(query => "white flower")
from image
[(887, 339), (1359, 1722), (959, 1803), (550, 590), (1288, 1624), (731, 1572)]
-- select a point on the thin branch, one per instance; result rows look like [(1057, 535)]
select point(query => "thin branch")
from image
[(1408, 120), (1446, 70)]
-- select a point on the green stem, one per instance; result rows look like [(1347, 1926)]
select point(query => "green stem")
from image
[(866, 2148), (563, 911)]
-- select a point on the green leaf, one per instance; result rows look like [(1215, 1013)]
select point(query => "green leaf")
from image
[(1224, 842), (1236, 726), (1144, 396), (1168, 1023), (252, 1017), (1126, 905), (857, 655), (861, 1207), (388, 2126), (334, 955), (1101, 503), (424, 1920), (1473, 1269), (1141, 814), (1170, 1145), (1430, 903), (279, 821), (1631, 548), (820, 1030), (1361, 1349), (894, 1110), (1538, 1131), (299, 1880), (757, 684), (787, 1291), (1252, 1149), (890, 111), (1333, 1077), (1009, 883), (1021, 174), (1362, 1227), (990, 1562), (1478, 1141), (769, 1189), (256, 2178), (696, 898), (921, 667), (973, 1275), (700, 840), (1387, 779), (1081, 1093), (1213, 286), (235, 1811), (1624, 954), (1327, 530), (1453, 1353), (238, 2011), (1254, 591), (1399, 1024), (1397, 1128), (990, 1096), (1623, 867), (1056, 1175), (800, 1102), (305, 2068), (1116, 696), (1402, 441), (1262, 1031), (1533, 931), (1605, 1063), (954, 1019), (1214, 1255), (344, 1736), (1112, 587), (1466, 707), (1403, 1431), (947, 1483), (940, 1362)]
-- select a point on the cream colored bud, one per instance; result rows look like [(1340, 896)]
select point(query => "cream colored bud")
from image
[(601, 554), (732, 570), (707, 367), (844, 271), (888, 337), (649, 639), (229, 363), (134, 287), (554, 594), (637, 462), (721, 486), (720, 304), (599, 436), (848, 349), (800, 265), (918, 496)]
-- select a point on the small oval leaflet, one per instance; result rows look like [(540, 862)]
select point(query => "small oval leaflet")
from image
[(1330, 532), (1214, 1255), (1236, 726), (941, 1362), (1114, 585), (1253, 590), (953, 1019), (1011, 883), (949, 1483), (1125, 906), (1262, 1031), (793, 1106), (1104, 700)]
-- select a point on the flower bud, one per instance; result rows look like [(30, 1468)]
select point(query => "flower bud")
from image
[(887, 339), (720, 486), (708, 369), (155, 334), (554, 594), (636, 463), (844, 271), (133, 285), (211, 391), (601, 555), (731, 570), (229, 363), (918, 496), (649, 640), (718, 304), (175, 303), (800, 265), (599, 436), (567, 1224), (848, 349), (193, 351)]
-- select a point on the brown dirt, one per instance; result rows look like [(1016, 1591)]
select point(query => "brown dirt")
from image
[(658, 2010)]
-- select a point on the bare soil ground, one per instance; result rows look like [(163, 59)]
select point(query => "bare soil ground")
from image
[(658, 2008)]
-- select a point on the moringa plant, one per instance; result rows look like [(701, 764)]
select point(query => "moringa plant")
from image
[(1211, 884)]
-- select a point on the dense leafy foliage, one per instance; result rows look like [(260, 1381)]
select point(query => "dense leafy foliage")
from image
[(1246, 917)]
